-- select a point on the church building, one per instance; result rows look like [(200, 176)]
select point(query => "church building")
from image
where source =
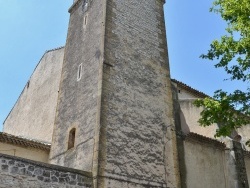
[(103, 112)]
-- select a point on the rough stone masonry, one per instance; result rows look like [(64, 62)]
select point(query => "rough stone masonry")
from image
[(115, 92), (17, 172)]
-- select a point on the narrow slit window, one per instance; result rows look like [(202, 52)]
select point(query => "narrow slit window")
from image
[(79, 72), (72, 137), (85, 20)]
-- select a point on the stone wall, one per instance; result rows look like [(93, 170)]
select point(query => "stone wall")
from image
[(204, 163), (240, 165), (247, 163), (22, 173), (189, 115), (207, 163), (33, 115), (137, 131), (111, 182), (78, 101), (200, 158), (244, 132)]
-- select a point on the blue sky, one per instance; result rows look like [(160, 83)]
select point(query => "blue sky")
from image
[(30, 27)]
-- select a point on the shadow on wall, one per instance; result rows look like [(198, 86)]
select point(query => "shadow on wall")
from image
[(184, 126)]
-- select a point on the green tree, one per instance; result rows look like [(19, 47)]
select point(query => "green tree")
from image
[(232, 53)]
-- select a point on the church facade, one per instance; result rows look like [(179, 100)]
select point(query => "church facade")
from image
[(105, 110)]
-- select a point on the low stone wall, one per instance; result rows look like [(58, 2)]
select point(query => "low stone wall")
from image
[(18, 172)]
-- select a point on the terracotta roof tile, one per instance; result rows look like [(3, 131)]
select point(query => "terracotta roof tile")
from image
[(11, 139), (190, 89), (204, 139)]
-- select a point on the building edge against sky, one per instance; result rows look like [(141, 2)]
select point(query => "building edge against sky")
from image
[(187, 41), (99, 81), (115, 117)]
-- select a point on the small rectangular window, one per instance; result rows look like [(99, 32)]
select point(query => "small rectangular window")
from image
[(79, 72)]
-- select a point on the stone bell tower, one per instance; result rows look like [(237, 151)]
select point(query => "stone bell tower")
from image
[(114, 113)]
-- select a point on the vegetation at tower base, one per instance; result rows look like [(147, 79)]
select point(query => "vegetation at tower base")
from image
[(232, 53)]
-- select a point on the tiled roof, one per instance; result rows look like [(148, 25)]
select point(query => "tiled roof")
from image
[(204, 139), (24, 142), (190, 89)]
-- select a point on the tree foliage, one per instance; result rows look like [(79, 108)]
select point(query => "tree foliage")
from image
[(232, 53)]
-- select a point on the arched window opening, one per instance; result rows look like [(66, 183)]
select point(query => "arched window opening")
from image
[(72, 136)]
